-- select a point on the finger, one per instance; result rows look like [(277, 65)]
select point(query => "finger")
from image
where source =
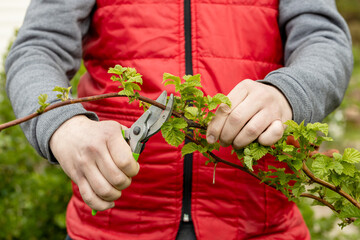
[(272, 134), (236, 96), (216, 124), (100, 185), (112, 173), (236, 120), (252, 130), (122, 156), (91, 199)]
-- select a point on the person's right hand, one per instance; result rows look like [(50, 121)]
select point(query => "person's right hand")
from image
[(96, 157)]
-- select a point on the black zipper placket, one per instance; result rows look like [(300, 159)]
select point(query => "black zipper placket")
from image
[(188, 159)]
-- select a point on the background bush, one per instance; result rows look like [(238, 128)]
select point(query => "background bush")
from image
[(34, 194)]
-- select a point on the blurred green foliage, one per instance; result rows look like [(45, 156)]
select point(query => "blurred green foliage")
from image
[(350, 9), (34, 194)]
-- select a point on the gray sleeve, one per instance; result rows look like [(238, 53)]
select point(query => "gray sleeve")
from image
[(46, 53), (318, 58)]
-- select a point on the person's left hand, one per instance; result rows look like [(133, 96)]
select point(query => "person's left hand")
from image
[(258, 111)]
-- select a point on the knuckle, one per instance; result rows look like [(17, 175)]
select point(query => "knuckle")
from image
[(277, 133), (88, 199), (92, 148), (225, 141), (82, 161), (252, 130), (135, 172), (237, 144), (105, 193), (125, 163), (121, 182), (235, 117), (224, 109)]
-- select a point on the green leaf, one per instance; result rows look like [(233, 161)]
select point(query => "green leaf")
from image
[(247, 151), (349, 169), (282, 158), (291, 125), (64, 92), (192, 111), (357, 222), (258, 151), (126, 93), (179, 123), (320, 165), (248, 162), (351, 155), (323, 164), (192, 80), (298, 189), (42, 102), (336, 179), (192, 147), (171, 79), (135, 87), (118, 69), (222, 98), (189, 148), (350, 211), (171, 131), (322, 127), (212, 106), (337, 156), (191, 92), (337, 167), (136, 79), (287, 148), (58, 89), (297, 164), (310, 135)]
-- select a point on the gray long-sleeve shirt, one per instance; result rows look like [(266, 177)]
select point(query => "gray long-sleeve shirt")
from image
[(47, 52)]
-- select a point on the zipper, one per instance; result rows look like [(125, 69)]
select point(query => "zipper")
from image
[(188, 159)]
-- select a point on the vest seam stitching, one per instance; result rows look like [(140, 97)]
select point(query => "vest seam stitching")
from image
[(268, 6), (243, 59), (145, 58), (244, 5)]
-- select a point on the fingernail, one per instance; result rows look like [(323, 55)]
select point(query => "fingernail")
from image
[(210, 139)]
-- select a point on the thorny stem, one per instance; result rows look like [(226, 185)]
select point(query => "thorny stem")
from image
[(332, 187), (190, 123), (306, 195), (326, 203), (88, 99), (323, 201)]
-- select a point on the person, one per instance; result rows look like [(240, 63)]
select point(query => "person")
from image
[(298, 51)]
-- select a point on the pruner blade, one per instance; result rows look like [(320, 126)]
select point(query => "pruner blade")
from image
[(149, 123)]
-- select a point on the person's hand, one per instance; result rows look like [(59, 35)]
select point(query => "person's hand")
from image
[(96, 157), (258, 111)]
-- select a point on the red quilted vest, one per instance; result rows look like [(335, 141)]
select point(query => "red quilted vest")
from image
[(231, 40)]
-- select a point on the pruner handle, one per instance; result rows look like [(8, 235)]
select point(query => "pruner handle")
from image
[(135, 155)]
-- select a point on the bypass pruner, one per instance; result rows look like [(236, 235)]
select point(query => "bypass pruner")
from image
[(148, 124)]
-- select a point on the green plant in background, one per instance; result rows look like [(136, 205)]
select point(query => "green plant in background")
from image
[(33, 193)]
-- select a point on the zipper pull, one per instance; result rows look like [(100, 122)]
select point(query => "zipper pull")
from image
[(186, 218)]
